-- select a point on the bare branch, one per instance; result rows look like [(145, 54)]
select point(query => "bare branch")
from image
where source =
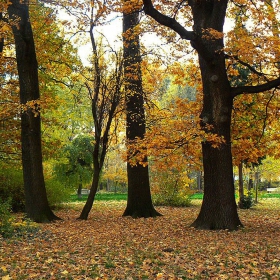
[(167, 21), (255, 89), (250, 67)]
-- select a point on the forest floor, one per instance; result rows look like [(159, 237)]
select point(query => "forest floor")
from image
[(108, 246)]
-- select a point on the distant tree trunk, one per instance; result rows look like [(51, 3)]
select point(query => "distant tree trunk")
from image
[(256, 187), (36, 203), (1, 38), (250, 184), (79, 192), (139, 202), (199, 181), (241, 185)]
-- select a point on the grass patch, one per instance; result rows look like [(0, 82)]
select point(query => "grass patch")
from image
[(270, 195), (196, 196), (100, 197)]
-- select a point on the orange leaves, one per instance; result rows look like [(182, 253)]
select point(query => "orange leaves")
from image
[(254, 127), (212, 34), (108, 246), (33, 105)]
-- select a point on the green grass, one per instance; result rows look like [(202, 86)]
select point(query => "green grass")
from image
[(101, 197), (123, 196), (196, 196), (270, 195)]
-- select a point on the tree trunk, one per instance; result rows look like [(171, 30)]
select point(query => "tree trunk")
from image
[(219, 209), (1, 38), (199, 181), (94, 186), (241, 185), (250, 183), (36, 203), (79, 192), (139, 201)]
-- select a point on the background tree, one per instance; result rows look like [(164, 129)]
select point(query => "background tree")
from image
[(218, 209), (36, 203), (253, 116), (139, 202), (77, 170)]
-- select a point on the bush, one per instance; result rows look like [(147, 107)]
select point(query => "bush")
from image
[(9, 227), (247, 202), (174, 200), (6, 228), (171, 189), (57, 192), (11, 187)]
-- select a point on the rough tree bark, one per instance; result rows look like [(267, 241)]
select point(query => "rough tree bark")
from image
[(36, 202), (139, 201), (219, 209)]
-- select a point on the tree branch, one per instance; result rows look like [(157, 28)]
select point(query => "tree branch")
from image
[(250, 67), (167, 21), (255, 89)]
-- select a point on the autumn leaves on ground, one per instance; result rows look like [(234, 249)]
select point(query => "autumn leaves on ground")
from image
[(108, 246)]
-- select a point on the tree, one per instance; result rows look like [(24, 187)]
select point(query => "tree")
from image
[(218, 210), (139, 202), (77, 170), (105, 92), (36, 202)]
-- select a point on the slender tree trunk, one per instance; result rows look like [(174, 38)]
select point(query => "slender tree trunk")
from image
[(199, 181), (1, 38), (139, 202), (94, 186), (79, 192), (36, 203), (241, 185), (250, 182)]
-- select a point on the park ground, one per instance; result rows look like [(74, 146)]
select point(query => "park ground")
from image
[(108, 246)]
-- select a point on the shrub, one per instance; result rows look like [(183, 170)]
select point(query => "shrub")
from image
[(11, 187), (247, 201), (57, 192), (9, 227), (6, 228), (171, 189), (174, 200)]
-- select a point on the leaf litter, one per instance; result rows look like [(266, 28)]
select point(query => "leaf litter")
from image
[(109, 246)]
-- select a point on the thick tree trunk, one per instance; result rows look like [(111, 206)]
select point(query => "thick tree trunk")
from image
[(94, 186), (139, 203), (219, 209), (36, 203)]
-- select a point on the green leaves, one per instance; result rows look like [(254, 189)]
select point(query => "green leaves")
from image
[(78, 160)]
